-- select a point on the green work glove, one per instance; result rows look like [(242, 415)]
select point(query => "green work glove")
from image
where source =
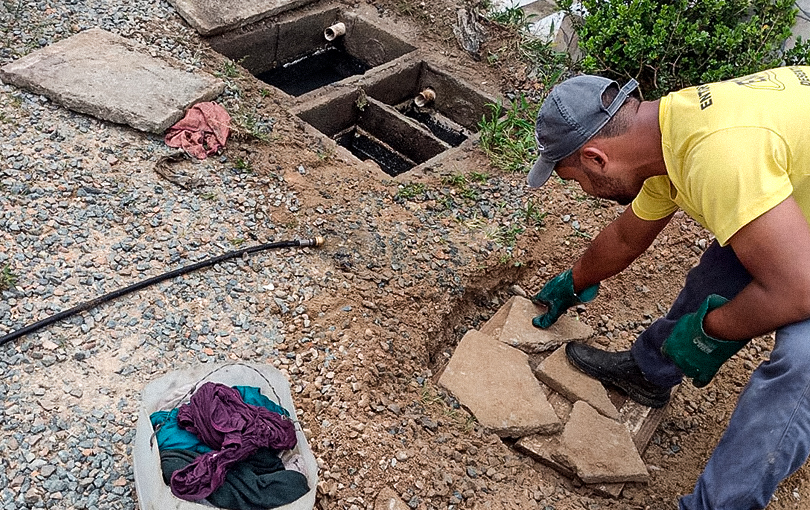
[(696, 353), (559, 296)]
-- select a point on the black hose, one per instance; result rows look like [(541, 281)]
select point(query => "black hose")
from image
[(156, 279)]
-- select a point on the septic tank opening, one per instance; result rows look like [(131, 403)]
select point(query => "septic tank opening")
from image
[(304, 53), (452, 110), (324, 66), (375, 131)]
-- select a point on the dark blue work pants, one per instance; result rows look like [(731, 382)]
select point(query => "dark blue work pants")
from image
[(768, 436)]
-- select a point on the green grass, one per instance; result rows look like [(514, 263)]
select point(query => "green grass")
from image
[(243, 165), (461, 184), (479, 177), (507, 135), (230, 69), (411, 190), (250, 125), (507, 235), (7, 278), (533, 214)]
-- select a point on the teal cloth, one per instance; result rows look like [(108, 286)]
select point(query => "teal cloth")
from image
[(170, 436), (254, 397)]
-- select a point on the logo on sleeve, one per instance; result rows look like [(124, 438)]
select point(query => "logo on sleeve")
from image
[(765, 80)]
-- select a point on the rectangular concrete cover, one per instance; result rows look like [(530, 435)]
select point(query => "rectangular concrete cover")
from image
[(209, 17), (109, 77)]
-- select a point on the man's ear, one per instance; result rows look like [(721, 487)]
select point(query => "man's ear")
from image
[(593, 158)]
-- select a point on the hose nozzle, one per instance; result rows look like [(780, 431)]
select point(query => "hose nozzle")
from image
[(316, 241)]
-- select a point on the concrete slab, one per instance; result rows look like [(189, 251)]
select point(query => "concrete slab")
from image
[(600, 450), (561, 376), (109, 77), (496, 384), (545, 450), (209, 17), (512, 325)]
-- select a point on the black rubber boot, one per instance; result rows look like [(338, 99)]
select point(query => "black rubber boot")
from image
[(618, 369)]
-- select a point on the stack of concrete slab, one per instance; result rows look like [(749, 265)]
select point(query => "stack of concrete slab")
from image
[(517, 382)]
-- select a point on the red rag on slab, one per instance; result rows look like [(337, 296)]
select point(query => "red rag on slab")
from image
[(202, 131)]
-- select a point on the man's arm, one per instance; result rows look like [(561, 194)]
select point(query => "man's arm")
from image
[(775, 249), (618, 245)]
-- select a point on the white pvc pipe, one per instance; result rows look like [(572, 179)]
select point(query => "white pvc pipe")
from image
[(332, 32)]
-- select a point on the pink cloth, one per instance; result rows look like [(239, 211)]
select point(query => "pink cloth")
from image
[(202, 131)]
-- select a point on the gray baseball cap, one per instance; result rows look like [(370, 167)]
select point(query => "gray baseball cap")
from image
[(570, 116)]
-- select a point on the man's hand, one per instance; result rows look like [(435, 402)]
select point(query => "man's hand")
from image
[(559, 296), (696, 353)]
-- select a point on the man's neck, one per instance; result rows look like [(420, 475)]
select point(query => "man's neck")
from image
[(646, 146)]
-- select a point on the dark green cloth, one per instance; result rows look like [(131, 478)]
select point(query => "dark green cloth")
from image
[(258, 482)]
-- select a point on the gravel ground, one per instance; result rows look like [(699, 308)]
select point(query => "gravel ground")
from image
[(358, 326)]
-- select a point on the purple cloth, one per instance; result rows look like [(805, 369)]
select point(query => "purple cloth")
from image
[(221, 419)]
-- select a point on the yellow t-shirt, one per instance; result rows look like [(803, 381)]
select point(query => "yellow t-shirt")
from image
[(733, 150)]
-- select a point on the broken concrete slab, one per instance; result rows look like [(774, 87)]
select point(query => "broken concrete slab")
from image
[(562, 406), (495, 382), (109, 77), (598, 449), (209, 17), (558, 374), (387, 499), (512, 325), (544, 449)]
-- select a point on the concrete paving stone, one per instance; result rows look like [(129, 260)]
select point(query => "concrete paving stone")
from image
[(562, 377), (387, 499), (512, 325), (562, 406), (544, 450), (494, 381), (209, 17), (600, 450), (109, 77)]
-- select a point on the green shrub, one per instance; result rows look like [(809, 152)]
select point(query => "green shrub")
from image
[(670, 44)]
